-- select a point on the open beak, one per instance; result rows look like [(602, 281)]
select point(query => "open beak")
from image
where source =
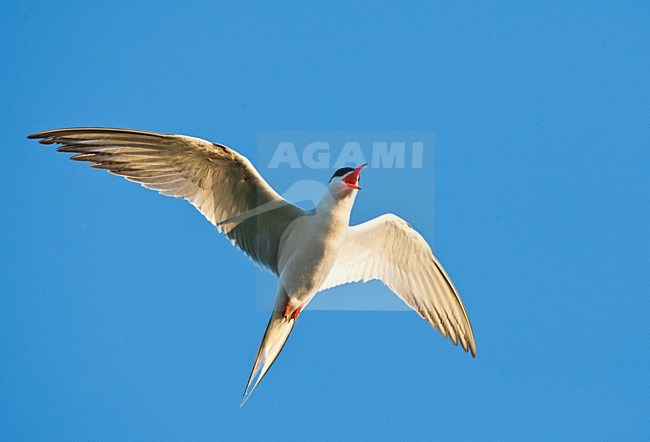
[(353, 177)]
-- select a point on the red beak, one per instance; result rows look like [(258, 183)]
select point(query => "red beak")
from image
[(351, 179)]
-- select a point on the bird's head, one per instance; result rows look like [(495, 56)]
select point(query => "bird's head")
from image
[(345, 181)]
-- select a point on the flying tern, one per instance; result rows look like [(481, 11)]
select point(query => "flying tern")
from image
[(309, 251)]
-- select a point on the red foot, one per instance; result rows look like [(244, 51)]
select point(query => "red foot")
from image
[(295, 313), (287, 310)]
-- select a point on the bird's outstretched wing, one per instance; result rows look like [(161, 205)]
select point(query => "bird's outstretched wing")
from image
[(389, 249), (222, 184)]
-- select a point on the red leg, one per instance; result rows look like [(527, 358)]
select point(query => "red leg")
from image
[(295, 313), (287, 310)]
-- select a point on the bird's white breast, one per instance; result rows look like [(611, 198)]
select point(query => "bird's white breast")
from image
[(309, 248)]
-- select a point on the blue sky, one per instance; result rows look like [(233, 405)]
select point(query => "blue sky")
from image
[(125, 316)]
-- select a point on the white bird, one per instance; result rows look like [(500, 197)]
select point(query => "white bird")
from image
[(309, 251)]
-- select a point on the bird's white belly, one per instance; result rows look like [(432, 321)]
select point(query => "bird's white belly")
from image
[(308, 255)]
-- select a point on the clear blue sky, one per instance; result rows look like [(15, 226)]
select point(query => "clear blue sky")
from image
[(125, 316)]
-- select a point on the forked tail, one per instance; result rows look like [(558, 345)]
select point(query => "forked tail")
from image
[(276, 335)]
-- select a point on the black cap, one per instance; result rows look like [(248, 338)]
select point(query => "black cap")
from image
[(341, 172)]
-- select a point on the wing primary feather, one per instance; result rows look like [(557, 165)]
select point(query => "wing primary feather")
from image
[(389, 249), (218, 181)]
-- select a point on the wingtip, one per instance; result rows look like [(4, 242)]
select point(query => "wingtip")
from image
[(36, 135), (44, 133), (43, 137)]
